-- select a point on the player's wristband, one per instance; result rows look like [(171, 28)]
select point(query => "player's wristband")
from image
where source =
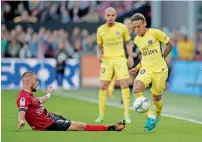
[(138, 66), (48, 95)]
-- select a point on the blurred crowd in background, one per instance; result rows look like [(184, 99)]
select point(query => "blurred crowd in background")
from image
[(63, 11), (27, 43)]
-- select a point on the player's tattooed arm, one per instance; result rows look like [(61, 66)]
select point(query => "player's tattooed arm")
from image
[(169, 47), (130, 53), (99, 52)]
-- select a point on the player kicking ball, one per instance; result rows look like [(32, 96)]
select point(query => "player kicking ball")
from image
[(31, 109), (153, 68)]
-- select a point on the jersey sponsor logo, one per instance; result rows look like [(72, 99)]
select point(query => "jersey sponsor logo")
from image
[(22, 102), (112, 42), (40, 110), (150, 42), (146, 52)]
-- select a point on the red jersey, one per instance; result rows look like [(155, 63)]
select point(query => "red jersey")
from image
[(36, 115)]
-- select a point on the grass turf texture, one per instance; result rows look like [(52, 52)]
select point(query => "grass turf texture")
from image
[(168, 129)]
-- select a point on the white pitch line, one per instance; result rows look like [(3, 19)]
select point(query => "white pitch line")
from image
[(113, 104)]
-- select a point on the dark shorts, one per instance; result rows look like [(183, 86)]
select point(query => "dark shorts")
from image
[(60, 124)]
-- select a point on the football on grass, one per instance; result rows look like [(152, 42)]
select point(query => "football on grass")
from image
[(141, 104)]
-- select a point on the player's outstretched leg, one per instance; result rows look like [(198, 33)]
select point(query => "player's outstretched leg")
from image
[(78, 126)]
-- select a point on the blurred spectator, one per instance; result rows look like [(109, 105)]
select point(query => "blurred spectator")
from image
[(7, 13), (20, 9), (92, 16), (36, 7), (65, 18), (28, 34), (4, 40), (18, 30), (89, 45), (61, 57), (51, 47), (33, 45), (75, 35), (52, 13), (25, 51), (186, 49), (24, 17), (78, 9), (13, 48), (199, 43), (198, 56), (77, 48)]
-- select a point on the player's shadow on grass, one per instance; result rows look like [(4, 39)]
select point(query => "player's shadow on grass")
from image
[(138, 133), (17, 130)]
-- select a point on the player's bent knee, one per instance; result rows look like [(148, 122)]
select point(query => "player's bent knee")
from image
[(124, 83), (138, 87)]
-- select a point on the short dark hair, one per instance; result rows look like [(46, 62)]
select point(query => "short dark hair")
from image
[(27, 73), (138, 16)]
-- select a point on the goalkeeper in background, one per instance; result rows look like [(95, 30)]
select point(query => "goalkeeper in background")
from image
[(153, 68)]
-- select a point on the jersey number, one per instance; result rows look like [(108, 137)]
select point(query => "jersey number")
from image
[(142, 71), (103, 70)]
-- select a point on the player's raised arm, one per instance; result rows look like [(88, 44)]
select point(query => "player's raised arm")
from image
[(45, 98)]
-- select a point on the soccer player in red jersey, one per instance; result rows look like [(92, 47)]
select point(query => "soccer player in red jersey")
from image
[(31, 109)]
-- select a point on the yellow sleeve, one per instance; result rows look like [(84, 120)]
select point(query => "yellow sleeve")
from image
[(126, 34), (99, 38), (161, 36)]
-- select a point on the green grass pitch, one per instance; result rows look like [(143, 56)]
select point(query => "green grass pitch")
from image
[(168, 129)]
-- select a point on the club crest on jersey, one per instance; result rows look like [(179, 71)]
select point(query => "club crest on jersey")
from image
[(22, 102), (149, 41), (117, 33)]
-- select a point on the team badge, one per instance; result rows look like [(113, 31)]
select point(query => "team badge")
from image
[(22, 102), (117, 33), (149, 41)]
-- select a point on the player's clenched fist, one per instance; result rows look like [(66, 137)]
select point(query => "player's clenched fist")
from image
[(133, 71), (50, 90)]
